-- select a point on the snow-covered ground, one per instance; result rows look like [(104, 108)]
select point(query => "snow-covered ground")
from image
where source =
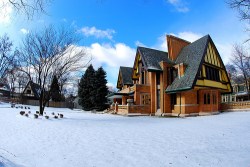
[(83, 139)]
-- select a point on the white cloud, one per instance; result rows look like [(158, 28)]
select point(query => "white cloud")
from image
[(179, 5), (93, 31), (24, 31), (5, 12), (161, 43), (188, 36), (138, 43), (111, 57)]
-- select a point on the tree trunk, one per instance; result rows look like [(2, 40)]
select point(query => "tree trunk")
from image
[(41, 106)]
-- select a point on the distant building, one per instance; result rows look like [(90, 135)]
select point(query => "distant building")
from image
[(4, 88), (239, 94), (187, 80), (31, 91)]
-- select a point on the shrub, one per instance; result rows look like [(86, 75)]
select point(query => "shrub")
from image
[(55, 117), (37, 112), (29, 112), (61, 115), (53, 113), (27, 115), (47, 117), (35, 116), (22, 112)]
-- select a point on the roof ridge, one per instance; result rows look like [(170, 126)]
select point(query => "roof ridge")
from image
[(151, 49)]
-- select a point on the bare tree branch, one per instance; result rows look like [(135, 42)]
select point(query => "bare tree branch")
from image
[(27, 7), (48, 53)]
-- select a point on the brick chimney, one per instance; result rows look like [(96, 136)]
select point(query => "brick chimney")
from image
[(175, 45)]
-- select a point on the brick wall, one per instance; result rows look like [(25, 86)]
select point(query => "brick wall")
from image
[(143, 109), (235, 105)]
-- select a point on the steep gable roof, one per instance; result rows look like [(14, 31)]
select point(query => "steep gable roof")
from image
[(124, 77), (152, 57), (192, 56), (126, 73), (36, 89)]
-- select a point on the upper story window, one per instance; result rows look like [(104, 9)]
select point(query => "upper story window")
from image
[(142, 78), (212, 73), (173, 74), (28, 91), (158, 80)]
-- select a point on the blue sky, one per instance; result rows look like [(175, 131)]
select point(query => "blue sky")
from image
[(112, 29)]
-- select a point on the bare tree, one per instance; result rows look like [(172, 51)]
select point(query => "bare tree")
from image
[(240, 60), (65, 69), (243, 6), (43, 54), (27, 7), (7, 58)]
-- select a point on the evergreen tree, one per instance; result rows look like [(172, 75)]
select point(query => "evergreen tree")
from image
[(55, 90), (86, 89), (101, 90)]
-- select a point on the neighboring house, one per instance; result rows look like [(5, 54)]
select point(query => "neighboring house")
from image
[(187, 80), (31, 91), (4, 88), (124, 84), (239, 94)]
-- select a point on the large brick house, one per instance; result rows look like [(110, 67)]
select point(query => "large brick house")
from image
[(187, 80)]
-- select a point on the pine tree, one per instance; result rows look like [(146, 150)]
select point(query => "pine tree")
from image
[(101, 90), (55, 90), (86, 89)]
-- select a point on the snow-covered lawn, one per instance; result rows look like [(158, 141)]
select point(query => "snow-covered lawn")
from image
[(83, 139)]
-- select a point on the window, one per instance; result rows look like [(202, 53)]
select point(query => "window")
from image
[(198, 98), (214, 99), (206, 98), (158, 79), (142, 78), (145, 99), (173, 100), (173, 74), (212, 73)]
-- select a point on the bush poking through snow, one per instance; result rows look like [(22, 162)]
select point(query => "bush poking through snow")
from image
[(61, 115), (35, 116), (27, 115), (29, 112), (53, 113), (22, 112), (47, 117), (21, 107), (25, 108), (37, 112), (55, 117), (28, 107), (44, 112)]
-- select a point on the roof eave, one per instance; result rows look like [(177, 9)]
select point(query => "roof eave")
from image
[(178, 90)]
